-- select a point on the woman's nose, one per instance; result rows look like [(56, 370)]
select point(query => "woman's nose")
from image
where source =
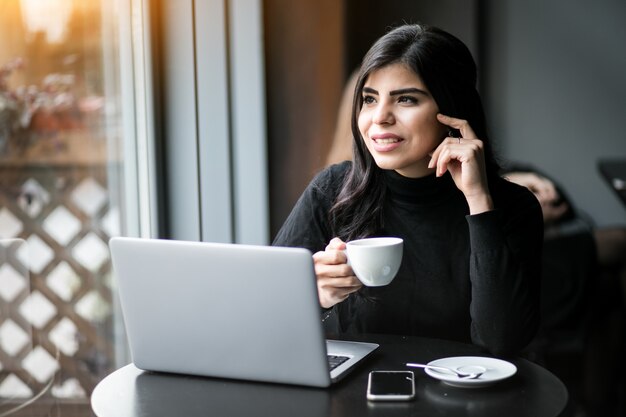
[(383, 114)]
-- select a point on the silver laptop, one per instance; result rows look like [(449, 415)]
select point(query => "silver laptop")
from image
[(226, 310)]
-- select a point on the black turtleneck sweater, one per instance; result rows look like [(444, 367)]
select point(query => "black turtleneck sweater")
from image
[(470, 278)]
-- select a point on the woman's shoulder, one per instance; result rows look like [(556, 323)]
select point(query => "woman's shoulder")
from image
[(332, 177), (509, 194)]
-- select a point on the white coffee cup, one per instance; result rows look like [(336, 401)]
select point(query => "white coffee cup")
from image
[(375, 261)]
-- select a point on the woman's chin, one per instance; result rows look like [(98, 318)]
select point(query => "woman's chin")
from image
[(408, 170), (386, 160), (388, 165), (389, 160)]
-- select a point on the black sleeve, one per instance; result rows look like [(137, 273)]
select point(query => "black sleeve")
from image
[(307, 225), (505, 271), (571, 212)]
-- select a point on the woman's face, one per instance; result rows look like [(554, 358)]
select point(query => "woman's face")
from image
[(398, 120)]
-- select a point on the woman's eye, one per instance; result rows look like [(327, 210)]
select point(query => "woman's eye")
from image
[(368, 100), (407, 99)]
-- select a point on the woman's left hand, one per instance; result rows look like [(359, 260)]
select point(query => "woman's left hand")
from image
[(464, 159)]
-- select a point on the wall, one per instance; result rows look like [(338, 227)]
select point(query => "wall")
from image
[(554, 85), (304, 78), (367, 20)]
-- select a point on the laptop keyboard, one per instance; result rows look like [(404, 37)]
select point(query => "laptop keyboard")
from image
[(334, 361)]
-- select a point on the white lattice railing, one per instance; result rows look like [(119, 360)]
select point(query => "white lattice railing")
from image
[(55, 295)]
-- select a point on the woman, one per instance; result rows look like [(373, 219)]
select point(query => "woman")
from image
[(423, 170)]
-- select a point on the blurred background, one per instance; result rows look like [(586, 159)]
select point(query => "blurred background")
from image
[(206, 119)]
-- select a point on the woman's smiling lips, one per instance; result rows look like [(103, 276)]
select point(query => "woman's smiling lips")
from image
[(385, 142)]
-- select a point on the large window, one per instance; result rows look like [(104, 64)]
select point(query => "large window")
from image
[(68, 182), (210, 65), (82, 136)]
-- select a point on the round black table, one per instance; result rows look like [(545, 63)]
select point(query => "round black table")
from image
[(531, 392)]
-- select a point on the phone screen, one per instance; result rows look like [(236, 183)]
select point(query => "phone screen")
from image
[(391, 385)]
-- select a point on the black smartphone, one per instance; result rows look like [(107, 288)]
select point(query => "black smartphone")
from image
[(391, 386)]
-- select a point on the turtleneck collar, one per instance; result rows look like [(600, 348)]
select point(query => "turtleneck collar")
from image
[(428, 190)]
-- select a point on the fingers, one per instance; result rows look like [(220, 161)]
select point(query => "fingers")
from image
[(333, 290), (335, 278), (461, 125), (331, 264), (333, 254), (330, 294), (345, 285), (434, 159), (455, 149), (336, 244), (464, 159), (447, 152)]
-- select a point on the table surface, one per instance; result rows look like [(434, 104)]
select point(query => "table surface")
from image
[(532, 391)]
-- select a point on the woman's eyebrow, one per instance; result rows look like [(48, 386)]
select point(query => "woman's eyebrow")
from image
[(369, 90), (408, 91)]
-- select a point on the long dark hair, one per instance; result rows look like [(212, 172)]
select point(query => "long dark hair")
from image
[(447, 68)]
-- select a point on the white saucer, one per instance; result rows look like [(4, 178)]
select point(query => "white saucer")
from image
[(495, 370)]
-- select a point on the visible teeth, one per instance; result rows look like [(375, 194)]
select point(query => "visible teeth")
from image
[(386, 141)]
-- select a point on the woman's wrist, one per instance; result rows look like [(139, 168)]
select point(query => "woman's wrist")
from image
[(479, 203)]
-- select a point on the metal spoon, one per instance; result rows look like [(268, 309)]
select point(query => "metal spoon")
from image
[(463, 375)]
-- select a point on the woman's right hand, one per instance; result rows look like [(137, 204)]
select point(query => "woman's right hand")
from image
[(335, 278)]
